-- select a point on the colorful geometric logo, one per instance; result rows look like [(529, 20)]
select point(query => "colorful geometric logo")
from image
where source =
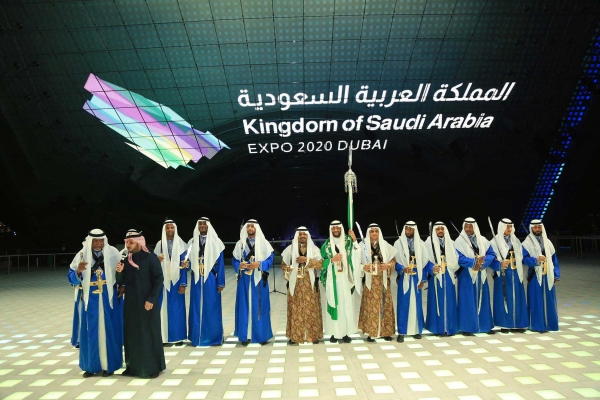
[(154, 129)]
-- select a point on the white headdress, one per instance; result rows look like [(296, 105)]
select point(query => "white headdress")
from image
[(502, 252), (212, 249), (111, 258), (342, 242), (404, 252), (449, 250), (292, 252), (387, 252), (463, 244), (534, 249), (170, 263), (262, 247)]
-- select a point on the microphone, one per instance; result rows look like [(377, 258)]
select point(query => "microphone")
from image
[(124, 254)]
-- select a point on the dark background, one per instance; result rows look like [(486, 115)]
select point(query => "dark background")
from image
[(62, 172)]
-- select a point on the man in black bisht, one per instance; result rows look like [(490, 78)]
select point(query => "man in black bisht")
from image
[(142, 276)]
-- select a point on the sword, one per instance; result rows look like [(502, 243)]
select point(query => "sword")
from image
[(525, 229), (397, 231), (437, 304), (503, 273), (455, 228), (188, 251), (362, 238), (258, 294)]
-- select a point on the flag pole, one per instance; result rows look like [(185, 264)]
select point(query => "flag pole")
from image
[(350, 187)]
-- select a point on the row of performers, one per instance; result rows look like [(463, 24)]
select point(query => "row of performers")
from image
[(458, 296)]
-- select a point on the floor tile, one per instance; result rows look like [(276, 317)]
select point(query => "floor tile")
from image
[(270, 394), (53, 395), (587, 392), (308, 393), (491, 382), (385, 389), (549, 394), (196, 395), (456, 385), (124, 395), (345, 391), (527, 380)]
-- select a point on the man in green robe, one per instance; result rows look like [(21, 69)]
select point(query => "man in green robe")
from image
[(141, 273), (340, 253)]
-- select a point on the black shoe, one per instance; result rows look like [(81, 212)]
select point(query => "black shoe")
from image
[(468, 334), (107, 374), (519, 330), (179, 343), (126, 373), (88, 374), (504, 330), (347, 339), (77, 346), (154, 376), (400, 339), (387, 338), (263, 343), (369, 339), (333, 340), (167, 345), (491, 332), (316, 341), (246, 343), (292, 343), (418, 336)]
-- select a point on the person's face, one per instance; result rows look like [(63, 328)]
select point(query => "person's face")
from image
[(132, 246), (336, 230), (508, 230), (202, 227), (439, 231), (469, 229), (374, 234), (250, 230), (170, 231), (410, 232), (97, 244), (302, 237), (537, 230)]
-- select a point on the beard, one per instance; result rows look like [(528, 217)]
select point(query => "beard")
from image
[(412, 235), (537, 234)]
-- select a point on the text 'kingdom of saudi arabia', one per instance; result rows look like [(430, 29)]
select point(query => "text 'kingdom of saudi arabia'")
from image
[(372, 123)]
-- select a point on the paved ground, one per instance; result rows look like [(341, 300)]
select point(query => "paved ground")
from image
[(37, 360)]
